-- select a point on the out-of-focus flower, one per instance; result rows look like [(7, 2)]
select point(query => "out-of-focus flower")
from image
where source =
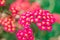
[(15, 8), (34, 6), (25, 5), (8, 24), (57, 17), (19, 6), (2, 2)]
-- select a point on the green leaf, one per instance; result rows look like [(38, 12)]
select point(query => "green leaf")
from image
[(57, 6), (9, 36)]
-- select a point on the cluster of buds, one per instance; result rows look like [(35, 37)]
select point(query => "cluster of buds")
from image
[(15, 8), (2, 2), (18, 6), (25, 34), (8, 24), (42, 18)]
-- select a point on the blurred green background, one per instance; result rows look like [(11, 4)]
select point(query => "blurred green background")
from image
[(53, 6)]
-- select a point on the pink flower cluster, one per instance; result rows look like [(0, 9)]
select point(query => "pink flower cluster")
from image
[(25, 34), (42, 18), (15, 8), (8, 24), (2, 2), (18, 6)]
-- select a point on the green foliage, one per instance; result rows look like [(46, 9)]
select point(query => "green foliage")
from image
[(9, 36), (57, 6), (52, 5)]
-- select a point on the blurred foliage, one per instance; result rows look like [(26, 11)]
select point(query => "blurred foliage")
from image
[(55, 5)]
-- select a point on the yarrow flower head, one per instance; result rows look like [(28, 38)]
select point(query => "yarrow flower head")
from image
[(25, 34), (2, 2), (42, 18), (8, 24), (15, 8), (19, 6)]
